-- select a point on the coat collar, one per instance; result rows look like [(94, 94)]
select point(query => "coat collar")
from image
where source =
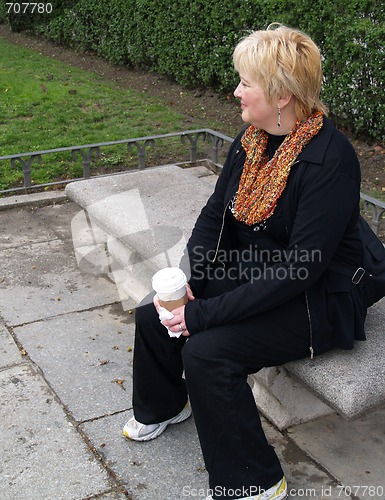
[(315, 151)]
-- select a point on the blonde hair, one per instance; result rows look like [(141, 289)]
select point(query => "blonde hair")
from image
[(283, 61)]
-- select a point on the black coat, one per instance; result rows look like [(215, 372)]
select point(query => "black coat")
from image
[(320, 204)]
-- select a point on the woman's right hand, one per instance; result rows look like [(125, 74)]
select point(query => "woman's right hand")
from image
[(190, 296)]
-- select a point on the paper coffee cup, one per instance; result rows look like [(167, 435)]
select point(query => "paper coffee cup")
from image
[(170, 286)]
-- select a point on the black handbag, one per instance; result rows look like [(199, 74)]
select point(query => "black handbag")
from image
[(372, 273)]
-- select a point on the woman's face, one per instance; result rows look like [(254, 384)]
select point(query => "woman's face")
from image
[(256, 110)]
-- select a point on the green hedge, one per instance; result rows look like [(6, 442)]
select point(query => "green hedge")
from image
[(3, 13), (192, 42)]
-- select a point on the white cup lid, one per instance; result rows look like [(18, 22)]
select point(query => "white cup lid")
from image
[(168, 280)]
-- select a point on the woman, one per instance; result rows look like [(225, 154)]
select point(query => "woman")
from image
[(265, 283)]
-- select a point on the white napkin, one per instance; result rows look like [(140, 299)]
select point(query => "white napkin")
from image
[(165, 314)]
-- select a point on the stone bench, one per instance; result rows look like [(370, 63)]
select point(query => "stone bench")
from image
[(135, 223), (347, 382)]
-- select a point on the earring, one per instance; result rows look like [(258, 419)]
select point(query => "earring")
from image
[(279, 116)]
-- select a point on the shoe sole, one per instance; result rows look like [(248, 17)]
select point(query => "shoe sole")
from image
[(181, 417)]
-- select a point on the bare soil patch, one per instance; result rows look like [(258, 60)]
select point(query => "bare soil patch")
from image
[(199, 105)]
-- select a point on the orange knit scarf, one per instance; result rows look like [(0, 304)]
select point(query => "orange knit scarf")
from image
[(263, 181)]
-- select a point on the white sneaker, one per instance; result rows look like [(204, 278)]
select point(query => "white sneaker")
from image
[(142, 432), (276, 492)]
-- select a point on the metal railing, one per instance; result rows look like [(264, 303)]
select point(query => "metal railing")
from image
[(91, 152), (376, 209), (88, 153)]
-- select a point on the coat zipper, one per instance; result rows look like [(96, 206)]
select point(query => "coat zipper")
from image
[(310, 326), (221, 231), (307, 303)]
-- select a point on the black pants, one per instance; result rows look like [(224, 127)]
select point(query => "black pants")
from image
[(217, 362)]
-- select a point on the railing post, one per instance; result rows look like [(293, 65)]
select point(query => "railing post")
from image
[(193, 140), (142, 151), (377, 213), (27, 167), (86, 156), (216, 143), (377, 208)]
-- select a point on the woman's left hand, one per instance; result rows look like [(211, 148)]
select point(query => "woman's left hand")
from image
[(177, 323)]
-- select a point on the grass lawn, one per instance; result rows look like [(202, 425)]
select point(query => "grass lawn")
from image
[(46, 104)]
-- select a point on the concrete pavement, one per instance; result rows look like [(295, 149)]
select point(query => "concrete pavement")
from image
[(66, 348)]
